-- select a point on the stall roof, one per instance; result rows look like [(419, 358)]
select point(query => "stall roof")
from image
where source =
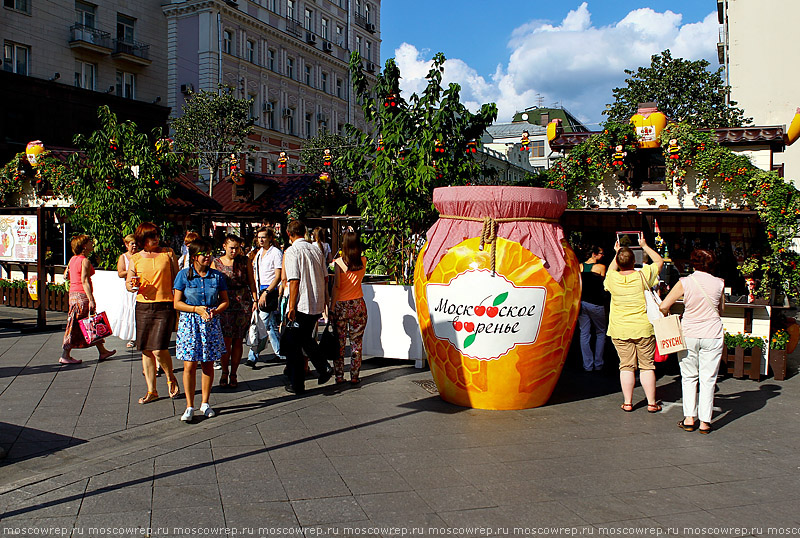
[(278, 197), (772, 135)]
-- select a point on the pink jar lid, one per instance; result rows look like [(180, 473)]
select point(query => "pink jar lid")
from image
[(543, 238)]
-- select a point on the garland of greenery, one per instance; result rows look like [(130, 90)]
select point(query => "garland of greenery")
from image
[(11, 179), (777, 201)]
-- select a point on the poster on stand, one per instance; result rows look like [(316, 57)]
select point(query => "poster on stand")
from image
[(18, 240)]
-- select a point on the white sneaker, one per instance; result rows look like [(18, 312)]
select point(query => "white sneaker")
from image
[(207, 411), (188, 415), (217, 365)]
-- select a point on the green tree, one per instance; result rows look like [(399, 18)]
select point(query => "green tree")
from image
[(325, 196), (119, 179), (414, 146), (684, 90), (213, 126)]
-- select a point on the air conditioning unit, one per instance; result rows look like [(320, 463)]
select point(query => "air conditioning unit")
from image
[(371, 27), (268, 106), (287, 112), (327, 46), (187, 88), (371, 67), (311, 38)]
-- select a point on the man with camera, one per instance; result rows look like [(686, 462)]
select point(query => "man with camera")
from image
[(267, 269), (306, 274)]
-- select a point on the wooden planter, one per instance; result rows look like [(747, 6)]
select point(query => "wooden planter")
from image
[(777, 363), (57, 301), (742, 362)]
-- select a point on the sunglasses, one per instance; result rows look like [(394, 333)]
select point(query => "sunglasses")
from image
[(204, 254)]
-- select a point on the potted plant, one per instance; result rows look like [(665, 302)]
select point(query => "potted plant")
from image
[(747, 351), (777, 354)]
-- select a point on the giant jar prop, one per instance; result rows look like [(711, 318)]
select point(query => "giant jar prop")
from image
[(498, 292)]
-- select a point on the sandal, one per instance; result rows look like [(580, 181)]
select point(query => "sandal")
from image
[(234, 382), (627, 407), (654, 407), (223, 381), (107, 356), (339, 380), (174, 389), (706, 430), (687, 427), (149, 397), (355, 381)]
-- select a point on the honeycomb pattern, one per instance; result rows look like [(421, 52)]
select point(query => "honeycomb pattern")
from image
[(526, 376)]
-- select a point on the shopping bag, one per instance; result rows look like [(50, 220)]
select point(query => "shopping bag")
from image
[(257, 330), (652, 301), (669, 334), (329, 343), (95, 327)]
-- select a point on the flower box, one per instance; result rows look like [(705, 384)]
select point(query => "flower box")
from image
[(741, 362), (777, 363)]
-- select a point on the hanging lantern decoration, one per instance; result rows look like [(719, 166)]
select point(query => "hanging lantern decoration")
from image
[(282, 159), (648, 122), (659, 241), (391, 101), (525, 141), (379, 145), (618, 157), (554, 129), (472, 146), (327, 158), (674, 149), (324, 177), (33, 150), (438, 146)]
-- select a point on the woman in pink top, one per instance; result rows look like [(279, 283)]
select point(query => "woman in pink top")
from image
[(81, 301), (703, 302), (349, 310)]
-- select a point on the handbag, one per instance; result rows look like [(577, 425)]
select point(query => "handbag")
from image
[(652, 301), (257, 330), (329, 343), (95, 327), (669, 334)]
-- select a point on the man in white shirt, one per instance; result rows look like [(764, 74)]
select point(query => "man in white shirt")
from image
[(308, 294), (267, 273)]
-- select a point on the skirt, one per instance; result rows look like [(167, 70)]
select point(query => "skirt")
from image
[(78, 309), (235, 320), (123, 318), (154, 325), (198, 340)]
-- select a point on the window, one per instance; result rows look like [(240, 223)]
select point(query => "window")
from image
[(126, 85), (358, 43), (309, 20), (358, 7), (309, 78), (369, 51), (18, 5), (537, 148), (251, 164), (309, 134), (271, 115), (15, 58), (126, 28), (324, 82), (85, 14), (252, 106), (339, 36), (251, 51), (368, 13), (85, 74), (290, 68), (339, 89), (272, 5), (227, 41), (290, 121), (290, 9), (271, 59), (341, 129), (324, 29), (271, 167)]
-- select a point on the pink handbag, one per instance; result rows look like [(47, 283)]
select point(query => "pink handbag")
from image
[(95, 327)]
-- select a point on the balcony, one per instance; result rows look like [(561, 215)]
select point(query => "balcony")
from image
[(89, 39), (295, 28), (133, 52), (361, 20)]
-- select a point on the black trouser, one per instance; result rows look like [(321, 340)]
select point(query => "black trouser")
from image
[(297, 340)]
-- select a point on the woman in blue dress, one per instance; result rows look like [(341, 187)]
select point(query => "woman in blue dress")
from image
[(200, 296)]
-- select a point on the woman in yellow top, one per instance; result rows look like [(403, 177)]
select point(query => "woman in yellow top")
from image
[(349, 310), (630, 330), (151, 274)]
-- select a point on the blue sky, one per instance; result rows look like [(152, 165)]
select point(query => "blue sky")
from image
[(570, 52)]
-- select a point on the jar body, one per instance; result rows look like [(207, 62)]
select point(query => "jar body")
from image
[(496, 340)]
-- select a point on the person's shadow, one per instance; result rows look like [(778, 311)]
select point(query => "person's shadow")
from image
[(742, 403)]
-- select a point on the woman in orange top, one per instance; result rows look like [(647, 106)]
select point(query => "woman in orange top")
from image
[(151, 274), (349, 310)]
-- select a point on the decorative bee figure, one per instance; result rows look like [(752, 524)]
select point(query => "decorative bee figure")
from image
[(282, 159), (390, 101), (674, 149), (525, 141), (472, 146), (327, 159), (618, 157), (438, 146), (379, 146)]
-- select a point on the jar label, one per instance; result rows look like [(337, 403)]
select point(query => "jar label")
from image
[(485, 316)]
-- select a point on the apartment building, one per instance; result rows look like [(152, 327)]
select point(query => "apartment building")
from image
[(289, 56), (64, 58)]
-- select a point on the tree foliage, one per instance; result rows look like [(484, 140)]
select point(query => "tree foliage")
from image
[(119, 179), (212, 127), (396, 166), (684, 90), (326, 196)]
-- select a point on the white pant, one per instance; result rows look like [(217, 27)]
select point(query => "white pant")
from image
[(700, 362)]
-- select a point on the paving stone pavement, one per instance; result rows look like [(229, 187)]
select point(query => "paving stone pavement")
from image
[(386, 458)]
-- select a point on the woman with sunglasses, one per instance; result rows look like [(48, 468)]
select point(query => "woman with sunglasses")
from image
[(201, 294)]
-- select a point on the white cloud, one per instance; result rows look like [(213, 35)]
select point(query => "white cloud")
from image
[(572, 63)]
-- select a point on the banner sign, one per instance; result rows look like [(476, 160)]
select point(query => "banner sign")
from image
[(18, 240)]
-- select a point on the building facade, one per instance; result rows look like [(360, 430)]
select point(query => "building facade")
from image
[(752, 38), (289, 56)]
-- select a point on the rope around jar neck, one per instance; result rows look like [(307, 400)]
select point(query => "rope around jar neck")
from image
[(489, 232)]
